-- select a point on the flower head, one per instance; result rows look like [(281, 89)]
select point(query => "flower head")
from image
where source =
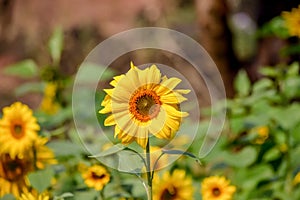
[(175, 186), (262, 134), (292, 20), (34, 196), (13, 174), (49, 104), (43, 154), (143, 102), (18, 129), (96, 177), (217, 188)]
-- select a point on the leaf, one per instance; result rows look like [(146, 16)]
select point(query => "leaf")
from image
[(269, 71), (294, 68), (112, 150), (63, 196), (274, 27), (272, 154), (130, 162), (243, 158), (287, 117), (65, 148), (242, 84), (29, 87), (25, 69), (55, 45), (180, 152), (41, 180), (91, 73), (262, 85)]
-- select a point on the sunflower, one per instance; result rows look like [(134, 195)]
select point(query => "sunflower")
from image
[(217, 188), (13, 174), (43, 154), (18, 129), (292, 20), (33, 195), (49, 104), (262, 134), (96, 177), (143, 102), (173, 187)]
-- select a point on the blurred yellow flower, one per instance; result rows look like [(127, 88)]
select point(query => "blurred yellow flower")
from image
[(262, 134), (155, 154), (18, 129), (217, 188), (49, 104), (292, 20), (143, 102), (13, 174), (33, 195), (173, 187), (96, 177), (296, 179), (44, 155)]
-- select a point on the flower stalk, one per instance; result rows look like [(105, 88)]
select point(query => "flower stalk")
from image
[(149, 171)]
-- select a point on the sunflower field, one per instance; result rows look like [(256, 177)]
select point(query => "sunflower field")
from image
[(130, 130)]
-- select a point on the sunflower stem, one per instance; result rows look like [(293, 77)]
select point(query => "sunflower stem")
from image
[(149, 176)]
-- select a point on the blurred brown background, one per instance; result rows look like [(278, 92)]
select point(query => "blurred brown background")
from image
[(25, 27)]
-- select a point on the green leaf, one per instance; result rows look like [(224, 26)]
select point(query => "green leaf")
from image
[(90, 73), (272, 154), (250, 177), (56, 45), (262, 85), (25, 69), (63, 196), (275, 27), (112, 150), (293, 69), (29, 87), (243, 158), (269, 71), (65, 148), (180, 152), (287, 116), (242, 84), (41, 180)]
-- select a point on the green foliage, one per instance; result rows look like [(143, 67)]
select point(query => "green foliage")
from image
[(25, 69), (41, 180), (274, 27), (55, 45)]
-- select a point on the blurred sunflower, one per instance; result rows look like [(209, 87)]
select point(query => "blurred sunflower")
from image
[(292, 20), (13, 174), (34, 196), (49, 104), (96, 177), (262, 134), (43, 154), (217, 188), (143, 102), (18, 129), (173, 187)]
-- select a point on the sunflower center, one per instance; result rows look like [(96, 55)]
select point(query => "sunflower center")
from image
[(144, 104), (169, 194), (97, 176), (17, 131), (216, 191), (13, 169)]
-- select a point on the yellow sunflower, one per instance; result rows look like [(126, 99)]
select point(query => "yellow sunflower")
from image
[(262, 134), (13, 174), (143, 102), (217, 188), (96, 177), (49, 104), (173, 187), (292, 20), (44, 155), (18, 129), (33, 195)]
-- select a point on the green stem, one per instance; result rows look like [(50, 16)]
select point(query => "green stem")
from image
[(289, 170), (149, 178)]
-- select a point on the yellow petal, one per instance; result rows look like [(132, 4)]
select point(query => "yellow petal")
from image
[(109, 121)]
